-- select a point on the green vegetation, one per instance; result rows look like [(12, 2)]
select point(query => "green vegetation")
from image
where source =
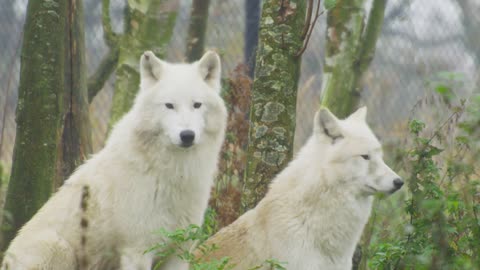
[(439, 225), (180, 241)]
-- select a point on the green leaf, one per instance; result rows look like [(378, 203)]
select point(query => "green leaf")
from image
[(433, 151), (443, 89), (416, 126)]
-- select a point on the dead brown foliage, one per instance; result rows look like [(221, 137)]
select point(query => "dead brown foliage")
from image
[(226, 194)]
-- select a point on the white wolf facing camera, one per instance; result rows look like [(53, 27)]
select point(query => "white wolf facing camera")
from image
[(315, 211), (155, 171)]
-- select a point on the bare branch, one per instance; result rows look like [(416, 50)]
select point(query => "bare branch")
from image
[(308, 19), (108, 34), (106, 67), (109, 63), (311, 26), (370, 36)]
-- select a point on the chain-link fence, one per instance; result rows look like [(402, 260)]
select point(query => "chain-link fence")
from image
[(421, 40)]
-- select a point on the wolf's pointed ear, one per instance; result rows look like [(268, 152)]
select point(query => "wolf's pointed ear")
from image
[(150, 69), (360, 114), (210, 68), (326, 124)]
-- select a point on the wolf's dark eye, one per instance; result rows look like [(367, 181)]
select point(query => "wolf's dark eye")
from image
[(366, 157), (197, 105), (169, 105)]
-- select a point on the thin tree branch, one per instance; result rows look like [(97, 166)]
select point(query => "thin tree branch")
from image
[(308, 19), (311, 26), (196, 29), (370, 36), (109, 35), (109, 63), (106, 67)]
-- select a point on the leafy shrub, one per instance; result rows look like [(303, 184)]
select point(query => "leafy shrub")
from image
[(442, 228), (180, 241)]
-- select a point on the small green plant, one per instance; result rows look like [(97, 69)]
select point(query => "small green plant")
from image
[(180, 242), (443, 222), (270, 264)]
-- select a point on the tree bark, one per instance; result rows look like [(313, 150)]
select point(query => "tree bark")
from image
[(148, 26), (272, 114), (52, 112), (252, 13), (76, 142), (197, 29), (349, 51), (344, 32)]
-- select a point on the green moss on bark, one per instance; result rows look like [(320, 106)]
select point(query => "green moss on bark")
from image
[(344, 32), (197, 29), (272, 114), (149, 26), (349, 51)]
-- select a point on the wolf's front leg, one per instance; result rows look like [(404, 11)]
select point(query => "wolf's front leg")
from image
[(135, 260)]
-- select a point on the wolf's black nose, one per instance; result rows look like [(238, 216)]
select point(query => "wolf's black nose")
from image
[(187, 137), (398, 183)]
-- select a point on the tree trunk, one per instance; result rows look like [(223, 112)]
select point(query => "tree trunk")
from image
[(148, 26), (76, 141), (272, 114), (252, 13), (52, 113), (197, 29), (349, 51), (344, 31)]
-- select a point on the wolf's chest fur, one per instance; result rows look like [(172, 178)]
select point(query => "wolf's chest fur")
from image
[(171, 195)]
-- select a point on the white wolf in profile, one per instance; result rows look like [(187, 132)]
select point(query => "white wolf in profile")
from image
[(155, 171), (315, 211)]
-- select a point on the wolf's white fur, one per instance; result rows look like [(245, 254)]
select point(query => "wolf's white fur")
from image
[(143, 179), (315, 211)]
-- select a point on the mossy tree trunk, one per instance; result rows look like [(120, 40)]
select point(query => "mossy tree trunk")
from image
[(197, 29), (53, 134), (349, 51), (148, 26), (272, 113)]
